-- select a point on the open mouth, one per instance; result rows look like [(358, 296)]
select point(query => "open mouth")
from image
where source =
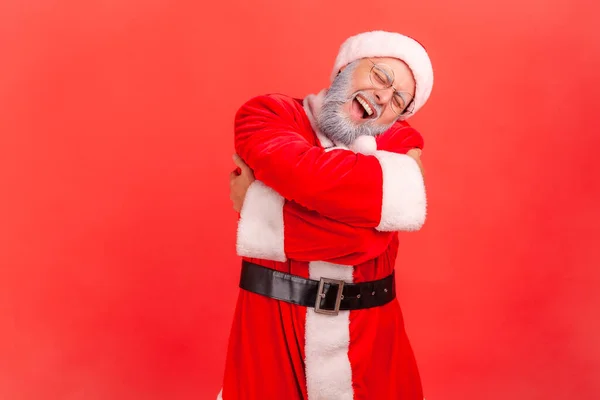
[(362, 109)]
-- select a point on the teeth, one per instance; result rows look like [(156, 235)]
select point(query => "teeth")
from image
[(365, 105)]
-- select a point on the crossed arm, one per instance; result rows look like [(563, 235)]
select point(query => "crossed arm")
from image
[(335, 206)]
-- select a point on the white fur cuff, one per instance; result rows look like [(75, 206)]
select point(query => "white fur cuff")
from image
[(260, 228), (404, 204)]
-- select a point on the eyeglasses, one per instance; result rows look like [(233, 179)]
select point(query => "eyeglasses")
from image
[(382, 77)]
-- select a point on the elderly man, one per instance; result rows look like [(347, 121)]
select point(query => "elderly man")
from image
[(324, 187)]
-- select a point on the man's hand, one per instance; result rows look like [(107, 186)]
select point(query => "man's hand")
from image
[(239, 183), (415, 154)]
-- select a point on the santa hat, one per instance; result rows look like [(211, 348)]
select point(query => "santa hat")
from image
[(395, 45)]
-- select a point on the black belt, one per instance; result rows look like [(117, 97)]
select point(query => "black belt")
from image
[(333, 295)]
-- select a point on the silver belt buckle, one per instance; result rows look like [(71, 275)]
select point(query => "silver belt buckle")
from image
[(321, 295)]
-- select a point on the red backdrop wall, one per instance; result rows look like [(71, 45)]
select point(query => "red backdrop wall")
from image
[(117, 266)]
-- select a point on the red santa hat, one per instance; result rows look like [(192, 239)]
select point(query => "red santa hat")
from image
[(395, 45)]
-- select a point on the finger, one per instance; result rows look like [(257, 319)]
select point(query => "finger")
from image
[(233, 179), (245, 170), (240, 163)]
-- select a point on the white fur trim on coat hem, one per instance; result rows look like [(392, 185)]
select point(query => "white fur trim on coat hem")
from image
[(260, 228), (327, 340), (404, 204)]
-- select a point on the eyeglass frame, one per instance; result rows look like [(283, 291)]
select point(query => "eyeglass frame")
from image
[(391, 85)]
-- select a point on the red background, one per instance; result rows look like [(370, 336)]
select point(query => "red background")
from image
[(117, 267)]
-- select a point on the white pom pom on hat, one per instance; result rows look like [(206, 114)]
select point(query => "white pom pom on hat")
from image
[(394, 45)]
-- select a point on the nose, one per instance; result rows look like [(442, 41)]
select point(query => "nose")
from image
[(384, 95)]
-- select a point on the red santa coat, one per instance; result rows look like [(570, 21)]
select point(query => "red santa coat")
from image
[(317, 212)]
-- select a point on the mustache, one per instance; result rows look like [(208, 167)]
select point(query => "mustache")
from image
[(338, 98)]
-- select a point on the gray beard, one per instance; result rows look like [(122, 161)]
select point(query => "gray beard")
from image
[(336, 124)]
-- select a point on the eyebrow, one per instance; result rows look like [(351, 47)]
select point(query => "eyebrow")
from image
[(389, 78)]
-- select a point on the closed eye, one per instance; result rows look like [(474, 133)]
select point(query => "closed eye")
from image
[(399, 101), (382, 76)]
